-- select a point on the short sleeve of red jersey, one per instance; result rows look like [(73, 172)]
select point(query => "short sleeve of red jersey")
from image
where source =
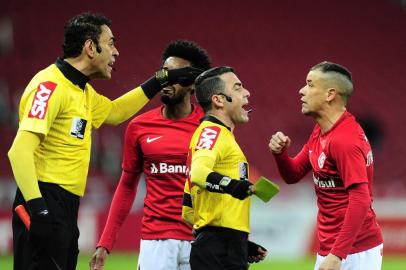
[(350, 160), (101, 107), (132, 159), (41, 108)]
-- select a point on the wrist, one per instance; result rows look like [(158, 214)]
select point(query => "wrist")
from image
[(151, 87), (37, 206)]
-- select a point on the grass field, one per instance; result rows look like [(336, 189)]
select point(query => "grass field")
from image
[(129, 262)]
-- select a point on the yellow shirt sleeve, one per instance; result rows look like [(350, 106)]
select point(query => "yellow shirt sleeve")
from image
[(119, 110), (204, 160), (187, 207), (21, 155)]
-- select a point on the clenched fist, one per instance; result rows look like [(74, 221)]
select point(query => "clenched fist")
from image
[(279, 143)]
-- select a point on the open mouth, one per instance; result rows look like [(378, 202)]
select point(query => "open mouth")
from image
[(111, 64), (246, 108)]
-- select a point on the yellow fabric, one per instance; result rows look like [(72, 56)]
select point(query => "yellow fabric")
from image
[(126, 106), (226, 158), (187, 212), (63, 155), (21, 157)]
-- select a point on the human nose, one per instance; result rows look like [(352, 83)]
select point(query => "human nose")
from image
[(115, 52), (247, 92), (301, 91)]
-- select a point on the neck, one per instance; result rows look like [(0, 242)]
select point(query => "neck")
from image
[(225, 120), (80, 64), (326, 120), (178, 111)]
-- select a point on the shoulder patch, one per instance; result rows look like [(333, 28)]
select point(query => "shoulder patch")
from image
[(208, 138), (41, 97)]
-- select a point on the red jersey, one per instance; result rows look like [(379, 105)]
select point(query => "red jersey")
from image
[(339, 158), (158, 147)]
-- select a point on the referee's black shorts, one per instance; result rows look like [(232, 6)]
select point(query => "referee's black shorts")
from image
[(63, 250), (217, 248)]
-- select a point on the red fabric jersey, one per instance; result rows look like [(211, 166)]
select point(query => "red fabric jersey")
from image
[(158, 147), (339, 158)]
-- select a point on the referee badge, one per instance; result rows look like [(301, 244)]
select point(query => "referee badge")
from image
[(78, 128)]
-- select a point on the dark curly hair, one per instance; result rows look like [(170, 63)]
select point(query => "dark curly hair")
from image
[(81, 28), (189, 51)]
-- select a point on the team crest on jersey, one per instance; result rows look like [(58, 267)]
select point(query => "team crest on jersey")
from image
[(208, 138), (78, 127), (39, 105), (321, 160)]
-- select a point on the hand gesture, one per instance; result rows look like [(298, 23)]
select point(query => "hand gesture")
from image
[(279, 142)]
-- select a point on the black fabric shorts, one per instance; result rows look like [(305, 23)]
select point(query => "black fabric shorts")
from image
[(217, 248), (62, 251)]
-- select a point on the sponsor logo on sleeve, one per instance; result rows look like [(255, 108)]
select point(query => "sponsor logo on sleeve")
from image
[(208, 138), (39, 105)]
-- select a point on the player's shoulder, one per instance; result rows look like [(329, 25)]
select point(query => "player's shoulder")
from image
[(209, 132), (349, 129), (148, 116), (49, 76), (44, 84)]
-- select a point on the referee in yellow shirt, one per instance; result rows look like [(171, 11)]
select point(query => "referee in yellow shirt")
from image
[(51, 151), (216, 198)]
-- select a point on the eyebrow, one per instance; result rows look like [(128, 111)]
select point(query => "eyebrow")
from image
[(237, 84)]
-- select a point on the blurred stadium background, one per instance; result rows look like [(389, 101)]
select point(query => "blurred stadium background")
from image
[(271, 44)]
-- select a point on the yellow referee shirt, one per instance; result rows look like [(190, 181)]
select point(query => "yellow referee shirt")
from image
[(213, 148), (65, 113)]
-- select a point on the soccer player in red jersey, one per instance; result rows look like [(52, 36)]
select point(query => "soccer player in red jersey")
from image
[(340, 156), (156, 144)]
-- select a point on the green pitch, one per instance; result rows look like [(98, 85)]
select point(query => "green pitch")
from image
[(129, 262)]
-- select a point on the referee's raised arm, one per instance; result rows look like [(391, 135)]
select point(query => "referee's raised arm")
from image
[(51, 151)]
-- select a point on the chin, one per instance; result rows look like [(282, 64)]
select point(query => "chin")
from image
[(244, 120)]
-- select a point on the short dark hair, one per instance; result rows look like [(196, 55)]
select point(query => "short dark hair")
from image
[(208, 84), (327, 66), (340, 75), (80, 28), (189, 51)]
